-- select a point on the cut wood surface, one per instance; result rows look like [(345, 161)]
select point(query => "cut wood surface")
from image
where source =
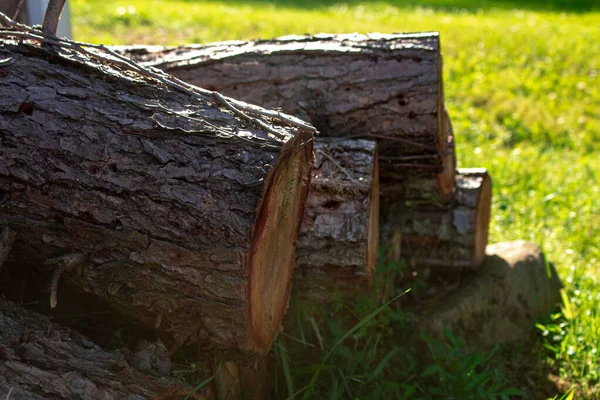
[(450, 235), (42, 360), (246, 380), (446, 179), (337, 244), (178, 209), (387, 87)]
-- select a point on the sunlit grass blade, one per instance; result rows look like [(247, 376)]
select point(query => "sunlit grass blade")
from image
[(203, 383), (283, 356), (356, 327)]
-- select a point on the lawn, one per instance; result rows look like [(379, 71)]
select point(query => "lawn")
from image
[(522, 87)]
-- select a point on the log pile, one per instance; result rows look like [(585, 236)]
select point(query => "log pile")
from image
[(186, 223), (386, 88), (144, 177)]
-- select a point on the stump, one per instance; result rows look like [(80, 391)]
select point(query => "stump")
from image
[(500, 304), (43, 360), (176, 206), (387, 87), (443, 235), (337, 245)]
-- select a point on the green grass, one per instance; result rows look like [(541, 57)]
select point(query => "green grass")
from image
[(523, 90)]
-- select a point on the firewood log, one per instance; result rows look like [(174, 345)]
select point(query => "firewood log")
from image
[(337, 245), (43, 360), (387, 87), (440, 234), (176, 206), (400, 185)]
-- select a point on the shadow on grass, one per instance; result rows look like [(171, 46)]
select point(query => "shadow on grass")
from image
[(576, 6)]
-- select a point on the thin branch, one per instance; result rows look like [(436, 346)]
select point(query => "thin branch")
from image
[(408, 158), (402, 140), (418, 166), (339, 166), (65, 263), (9, 392), (6, 62), (18, 9), (52, 16)]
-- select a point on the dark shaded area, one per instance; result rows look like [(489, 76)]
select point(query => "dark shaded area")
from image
[(577, 6), (15, 8), (93, 318)]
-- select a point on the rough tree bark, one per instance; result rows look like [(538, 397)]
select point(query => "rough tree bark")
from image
[(42, 360), (439, 234), (440, 187), (7, 239), (387, 87), (178, 209), (337, 244)]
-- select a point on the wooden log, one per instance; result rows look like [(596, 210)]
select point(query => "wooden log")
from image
[(42, 360), (387, 87), (443, 235), (438, 187), (178, 207), (337, 245)]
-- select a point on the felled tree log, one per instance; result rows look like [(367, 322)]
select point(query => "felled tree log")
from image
[(439, 187), (444, 235), (337, 245), (176, 206), (42, 360), (387, 87)]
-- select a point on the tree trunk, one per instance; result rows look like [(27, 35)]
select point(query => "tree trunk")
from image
[(387, 87), (443, 235), (42, 360), (178, 210), (337, 245)]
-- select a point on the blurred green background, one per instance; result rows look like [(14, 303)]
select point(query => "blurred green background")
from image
[(522, 88)]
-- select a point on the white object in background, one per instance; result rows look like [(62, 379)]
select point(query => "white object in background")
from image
[(35, 13)]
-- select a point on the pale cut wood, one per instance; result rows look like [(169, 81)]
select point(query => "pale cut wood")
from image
[(241, 379), (444, 235), (387, 87), (446, 179), (337, 245), (183, 213), (42, 360)]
